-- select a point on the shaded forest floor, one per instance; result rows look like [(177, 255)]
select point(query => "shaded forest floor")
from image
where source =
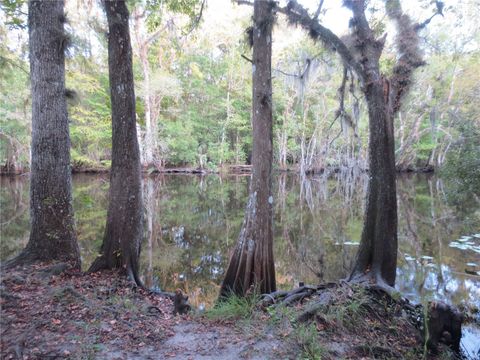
[(47, 314)]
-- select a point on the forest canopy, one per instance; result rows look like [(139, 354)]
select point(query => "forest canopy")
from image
[(193, 89)]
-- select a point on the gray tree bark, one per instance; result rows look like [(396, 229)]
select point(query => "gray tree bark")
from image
[(124, 228), (252, 264), (52, 232)]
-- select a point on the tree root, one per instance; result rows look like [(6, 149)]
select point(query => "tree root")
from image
[(324, 300), (26, 257), (54, 270), (100, 263), (294, 296), (154, 311), (325, 297)]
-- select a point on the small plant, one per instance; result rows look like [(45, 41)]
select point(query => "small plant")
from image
[(279, 313), (233, 307), (307, 337), (128, 304)]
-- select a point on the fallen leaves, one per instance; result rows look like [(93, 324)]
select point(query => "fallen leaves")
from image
[(53, 314)]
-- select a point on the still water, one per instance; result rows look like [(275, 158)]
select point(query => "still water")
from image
[(191, 225)]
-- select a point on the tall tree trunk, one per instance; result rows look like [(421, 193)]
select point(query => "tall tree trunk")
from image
[(52, 233), (252, 263), (124, 228), (377, 254)]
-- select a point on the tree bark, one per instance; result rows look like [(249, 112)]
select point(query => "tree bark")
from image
[(252, 264), (377, 253), (124, 228), (52, 232)]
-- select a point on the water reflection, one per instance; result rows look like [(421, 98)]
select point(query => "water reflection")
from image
[(191, 224)]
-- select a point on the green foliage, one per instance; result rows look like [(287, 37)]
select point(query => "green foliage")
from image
[(306, 335), (462, 169), (156, 9), (90, 126), (214, 114), (233, 307), (202, 90), (15, 13), (14, 106)]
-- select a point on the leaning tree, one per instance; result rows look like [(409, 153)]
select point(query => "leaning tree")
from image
[(52, 231), (252, 265), (124, 228), (360, 52)]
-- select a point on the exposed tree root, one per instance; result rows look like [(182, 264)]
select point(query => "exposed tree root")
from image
[(26, 257), (325, 299), (100, 263), (325, 295), (293, 296), (368, 297)]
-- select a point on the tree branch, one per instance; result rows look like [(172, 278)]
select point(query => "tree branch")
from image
[(197, 19), (297, 14), (439, 11), (13, 63), (364, 34), (317, 13), (341, 93), (246, 58), (408, 46), (244, 2)]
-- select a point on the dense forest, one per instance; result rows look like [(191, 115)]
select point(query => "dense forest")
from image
[(193, 91), (292, 124)]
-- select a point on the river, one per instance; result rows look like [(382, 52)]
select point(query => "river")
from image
[(191, 225)]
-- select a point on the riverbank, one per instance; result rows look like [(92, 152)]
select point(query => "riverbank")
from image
[(49, 313), (228, 169)]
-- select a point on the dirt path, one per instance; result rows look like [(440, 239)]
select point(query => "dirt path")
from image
[(45, 314), (197, 341)]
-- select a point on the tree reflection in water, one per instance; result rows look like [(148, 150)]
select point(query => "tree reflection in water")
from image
[(192, 223)]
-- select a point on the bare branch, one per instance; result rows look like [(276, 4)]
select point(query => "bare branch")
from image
[(13, 63), (153, 37), (246, 58), (277, 70), (341, 93), (286, 74), (317, 13), (244, 2), (439, 11), (197, 19)]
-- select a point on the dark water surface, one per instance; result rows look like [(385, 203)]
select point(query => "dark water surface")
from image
[(191, 224)]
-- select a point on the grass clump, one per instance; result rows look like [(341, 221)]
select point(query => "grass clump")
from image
[(233, 307), (306, 336)]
